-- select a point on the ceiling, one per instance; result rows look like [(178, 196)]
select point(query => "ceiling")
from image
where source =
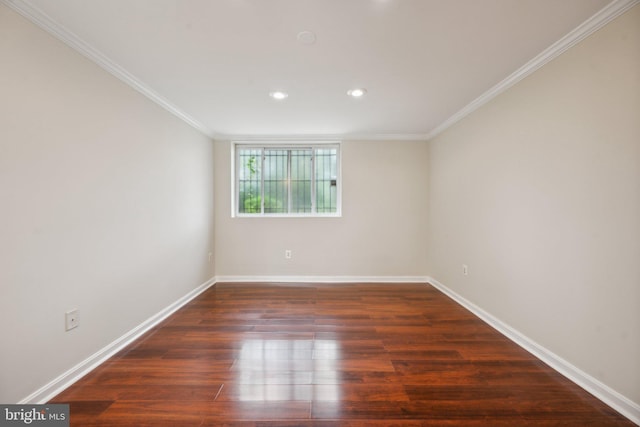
[(214, 62)]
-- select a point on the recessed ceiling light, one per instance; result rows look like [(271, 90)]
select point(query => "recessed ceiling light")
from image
[(306, 37), (279, 95), (357, 93)]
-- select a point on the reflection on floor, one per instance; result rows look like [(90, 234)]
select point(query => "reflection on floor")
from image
[(328, 355), (259, 360)]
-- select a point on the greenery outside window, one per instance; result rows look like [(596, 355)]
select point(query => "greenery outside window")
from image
[(287, 180)]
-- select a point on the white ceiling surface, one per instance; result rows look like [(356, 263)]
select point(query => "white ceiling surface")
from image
[(421, 60)]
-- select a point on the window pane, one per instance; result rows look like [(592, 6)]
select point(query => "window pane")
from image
[(287, 180), (326, 180), (301, 181), (249, 177), (275, 181)]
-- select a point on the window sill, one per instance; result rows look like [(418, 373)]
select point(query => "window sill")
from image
[(336, 215)]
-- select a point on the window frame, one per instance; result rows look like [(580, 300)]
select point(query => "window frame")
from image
[(236, 146)]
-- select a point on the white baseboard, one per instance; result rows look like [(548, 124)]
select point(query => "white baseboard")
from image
[(617, 401), (48, 391), (622, 404), (322, 279)]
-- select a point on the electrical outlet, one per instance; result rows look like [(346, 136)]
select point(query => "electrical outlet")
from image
[(465, 269), (71, 319), (287, 254)]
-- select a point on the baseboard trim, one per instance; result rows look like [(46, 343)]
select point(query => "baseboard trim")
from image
[(622, 404), (56, 386), (617, 401), (322, 279)]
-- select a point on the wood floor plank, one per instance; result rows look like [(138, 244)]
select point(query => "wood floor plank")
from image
[(312, 355), (183, 393)]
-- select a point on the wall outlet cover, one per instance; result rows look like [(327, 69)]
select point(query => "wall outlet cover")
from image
[(71, 319)]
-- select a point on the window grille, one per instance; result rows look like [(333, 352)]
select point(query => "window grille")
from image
[(298, 180)]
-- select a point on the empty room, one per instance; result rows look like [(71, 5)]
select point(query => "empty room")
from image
[(320, 212)]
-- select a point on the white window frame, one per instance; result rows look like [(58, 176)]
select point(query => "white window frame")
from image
[(285, 145)]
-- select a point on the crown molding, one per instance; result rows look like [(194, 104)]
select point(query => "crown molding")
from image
[(42, 20), (324, 137), (588, 27), (597, 21)]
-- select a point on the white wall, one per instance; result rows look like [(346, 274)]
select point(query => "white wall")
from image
[(381, 232), (539, 193), (106, 205)]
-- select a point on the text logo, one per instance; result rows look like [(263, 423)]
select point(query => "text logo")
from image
[(34, 415)]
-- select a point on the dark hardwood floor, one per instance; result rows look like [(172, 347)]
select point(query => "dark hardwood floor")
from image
[(328, 355)]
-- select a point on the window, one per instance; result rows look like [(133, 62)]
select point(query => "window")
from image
[(291, 180)]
